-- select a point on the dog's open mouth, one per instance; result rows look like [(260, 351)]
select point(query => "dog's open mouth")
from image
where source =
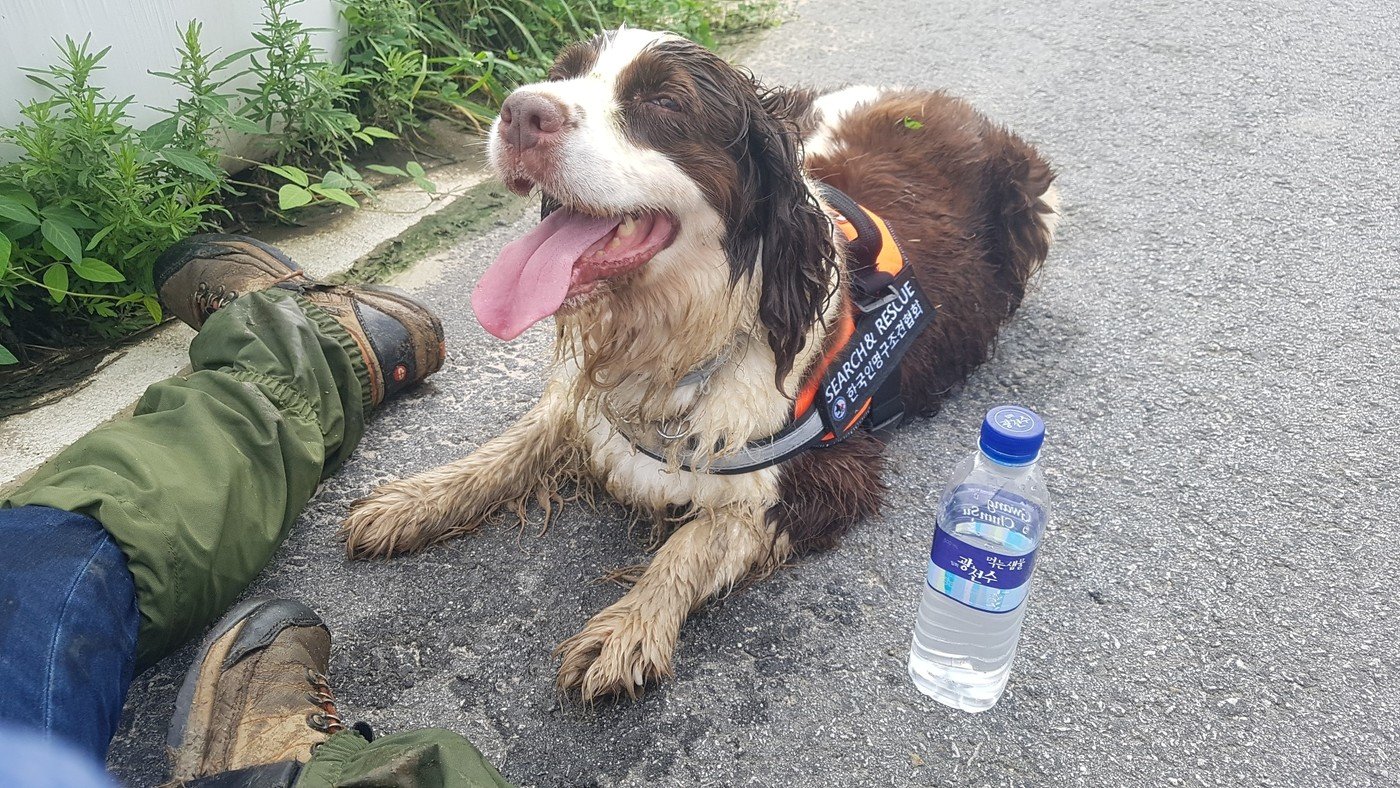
[(566, 255)]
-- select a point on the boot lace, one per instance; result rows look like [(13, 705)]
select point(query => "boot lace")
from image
[(294, 274), (327, 720), (208, 300)]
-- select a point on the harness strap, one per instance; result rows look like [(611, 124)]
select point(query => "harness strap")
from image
[(857, 380), (864, 241), (790, 441), (869, 242), (887, 406)]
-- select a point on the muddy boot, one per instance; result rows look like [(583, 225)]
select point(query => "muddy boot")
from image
[(204, 273), (256, 701), (399, 338)]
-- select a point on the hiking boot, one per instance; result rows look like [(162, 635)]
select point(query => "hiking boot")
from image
[(204, 273), (256, 697), (399, 338)]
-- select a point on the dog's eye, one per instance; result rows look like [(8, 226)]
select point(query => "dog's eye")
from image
[(665, 102)]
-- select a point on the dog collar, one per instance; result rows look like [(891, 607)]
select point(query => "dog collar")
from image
[(856, 382)]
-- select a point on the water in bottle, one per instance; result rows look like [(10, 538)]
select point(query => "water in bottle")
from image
[(991, 518)]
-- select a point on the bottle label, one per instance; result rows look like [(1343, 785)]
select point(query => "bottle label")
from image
[(986, 580)]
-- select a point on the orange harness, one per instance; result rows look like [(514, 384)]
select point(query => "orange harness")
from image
[(877, 255), (857, 380)]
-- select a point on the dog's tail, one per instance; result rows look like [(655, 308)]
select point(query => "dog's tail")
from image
[(1023, 210)]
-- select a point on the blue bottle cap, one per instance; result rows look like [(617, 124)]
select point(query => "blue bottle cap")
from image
[(1012, 435)]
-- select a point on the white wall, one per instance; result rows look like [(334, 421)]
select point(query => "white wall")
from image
[(143, 34)]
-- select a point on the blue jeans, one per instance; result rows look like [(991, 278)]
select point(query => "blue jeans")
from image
[(68, 624)]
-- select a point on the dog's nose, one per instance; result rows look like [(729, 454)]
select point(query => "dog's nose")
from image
[(529, 118)]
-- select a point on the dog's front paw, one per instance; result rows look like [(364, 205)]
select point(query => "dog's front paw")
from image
[(619, 650), (398, 517)]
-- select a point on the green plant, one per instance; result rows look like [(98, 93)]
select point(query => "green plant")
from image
[(410, 59), (300, 104), (302, 188), (299, 101), (412, 170), (406, 66), (204, 109), (91, 201)]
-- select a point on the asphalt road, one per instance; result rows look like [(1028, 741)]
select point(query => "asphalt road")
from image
[(1213, 345)]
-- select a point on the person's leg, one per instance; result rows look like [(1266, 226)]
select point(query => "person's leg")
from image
[(429, 758), (201, 484), (68, 626)]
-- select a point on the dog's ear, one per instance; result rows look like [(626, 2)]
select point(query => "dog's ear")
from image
[(778, 226)]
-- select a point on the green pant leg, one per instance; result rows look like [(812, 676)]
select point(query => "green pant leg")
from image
[(200, 486), (431, 758)]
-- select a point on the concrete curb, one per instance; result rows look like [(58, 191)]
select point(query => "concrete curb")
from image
[(338, 247)]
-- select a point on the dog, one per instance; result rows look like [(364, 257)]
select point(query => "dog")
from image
[(685, 232)]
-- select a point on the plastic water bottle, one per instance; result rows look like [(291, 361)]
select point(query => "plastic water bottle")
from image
[(991, 519)]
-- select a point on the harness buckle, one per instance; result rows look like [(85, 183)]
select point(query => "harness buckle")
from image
[(891, 293)]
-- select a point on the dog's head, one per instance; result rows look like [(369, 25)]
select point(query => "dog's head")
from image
[(662, 170)]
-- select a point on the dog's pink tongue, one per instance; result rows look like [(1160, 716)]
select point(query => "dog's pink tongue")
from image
[(530, 279)]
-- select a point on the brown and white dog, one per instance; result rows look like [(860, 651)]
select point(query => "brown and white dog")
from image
[(688, 235)]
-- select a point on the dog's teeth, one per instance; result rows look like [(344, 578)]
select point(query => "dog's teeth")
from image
[(629, 226), (613, 244)]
